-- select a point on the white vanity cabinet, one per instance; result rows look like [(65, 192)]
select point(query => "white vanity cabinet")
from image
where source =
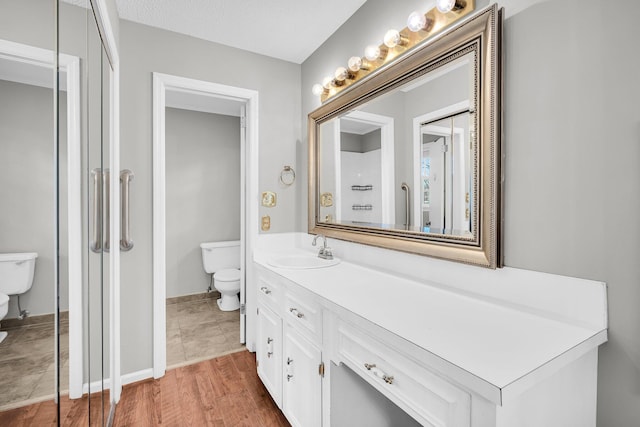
[(269, 352), (445, 357), (289, 333), (302, 386)]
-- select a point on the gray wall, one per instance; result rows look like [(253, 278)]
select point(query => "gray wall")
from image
[(145, 50), (202, 192), (360, 143), (26, 189), (572, 144)]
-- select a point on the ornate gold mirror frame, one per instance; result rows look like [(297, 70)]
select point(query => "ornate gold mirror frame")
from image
[(481, 33)]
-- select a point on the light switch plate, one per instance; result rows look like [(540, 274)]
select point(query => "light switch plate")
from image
[(269, 199)]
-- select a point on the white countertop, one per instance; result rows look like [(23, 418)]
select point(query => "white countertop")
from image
[(496, 343)]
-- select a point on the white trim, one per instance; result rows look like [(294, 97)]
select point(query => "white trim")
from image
[(161, 84), (387, 159), (337, 161), (417, 150), (137, 376), (71, 66), (109, 43), (74, 217)]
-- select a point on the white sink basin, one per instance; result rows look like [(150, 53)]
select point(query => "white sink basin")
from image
[(299, 261)]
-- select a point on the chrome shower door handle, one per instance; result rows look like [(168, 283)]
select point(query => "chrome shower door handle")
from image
[(106, 196), (96, 241), (126, 244)]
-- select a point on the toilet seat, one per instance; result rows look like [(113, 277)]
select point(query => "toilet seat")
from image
[(227, 275)]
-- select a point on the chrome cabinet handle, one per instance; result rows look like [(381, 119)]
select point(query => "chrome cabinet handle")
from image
[(265, 290), (96, 238), (269, 340), (289, 377), (378, 373), (126, 244), (296, 313), (289, 361)]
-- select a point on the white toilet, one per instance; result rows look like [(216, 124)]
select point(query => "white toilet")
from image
[(16, 277), (222, 259)]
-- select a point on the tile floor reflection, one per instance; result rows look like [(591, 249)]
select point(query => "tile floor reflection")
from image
[(27, 364), (197, 329)]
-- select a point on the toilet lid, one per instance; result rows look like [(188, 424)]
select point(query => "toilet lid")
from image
[(4, 299), (227, 275)]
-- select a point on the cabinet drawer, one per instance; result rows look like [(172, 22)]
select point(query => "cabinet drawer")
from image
[(427, 397), (304, 313), (269, 292)]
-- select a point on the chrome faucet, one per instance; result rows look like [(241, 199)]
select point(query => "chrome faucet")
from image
[(325, 252)]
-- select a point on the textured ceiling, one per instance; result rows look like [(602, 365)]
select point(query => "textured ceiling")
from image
[(286, 29)]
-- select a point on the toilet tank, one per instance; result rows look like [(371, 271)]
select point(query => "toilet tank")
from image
[(220, 255), (16, 272)]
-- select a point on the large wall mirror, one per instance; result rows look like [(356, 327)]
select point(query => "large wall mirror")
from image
[(409, 158)]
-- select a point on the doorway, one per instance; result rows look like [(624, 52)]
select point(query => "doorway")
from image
[(203, 97)]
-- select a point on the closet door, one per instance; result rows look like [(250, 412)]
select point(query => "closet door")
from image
[(89, 334)]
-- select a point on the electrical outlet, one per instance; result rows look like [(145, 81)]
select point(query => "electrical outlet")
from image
[(266, 223)]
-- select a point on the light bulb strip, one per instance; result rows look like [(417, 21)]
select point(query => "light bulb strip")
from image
[(437, 21)]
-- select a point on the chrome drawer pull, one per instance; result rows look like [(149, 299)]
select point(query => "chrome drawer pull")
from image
[(289, 377), (378, 373), (289, 361), (269, 340), (265, 290), (296, 313), (269, 353)]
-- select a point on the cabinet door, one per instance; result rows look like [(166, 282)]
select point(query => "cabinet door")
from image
[(269, 352), (302, 384)]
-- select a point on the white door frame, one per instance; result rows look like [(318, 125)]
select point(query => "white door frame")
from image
[(249, 203), (70, 65), (387, 165), (417, 150)]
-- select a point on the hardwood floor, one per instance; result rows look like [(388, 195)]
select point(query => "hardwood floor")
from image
[(220, 392)]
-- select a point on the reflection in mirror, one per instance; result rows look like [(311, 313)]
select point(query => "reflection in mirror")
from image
[(445, 181), (421, 133)]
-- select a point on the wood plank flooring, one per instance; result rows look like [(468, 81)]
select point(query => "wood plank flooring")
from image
[(220, 392)]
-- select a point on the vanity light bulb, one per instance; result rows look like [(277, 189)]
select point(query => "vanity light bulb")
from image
[(326, 82), (445, 6), (317, 89), (392, 38), (355, 63), (341, 74), (372, 52), (416, 21)]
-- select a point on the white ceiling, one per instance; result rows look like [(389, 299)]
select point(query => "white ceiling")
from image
[(186, 100), (358, 127), (286, 29)]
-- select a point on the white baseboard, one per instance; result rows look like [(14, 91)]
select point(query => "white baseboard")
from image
[(125, 379), (136, 376), (96, 385)]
